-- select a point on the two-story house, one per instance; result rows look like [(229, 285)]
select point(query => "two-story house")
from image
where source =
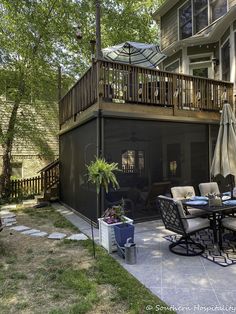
[(199, 37), (160, 126)]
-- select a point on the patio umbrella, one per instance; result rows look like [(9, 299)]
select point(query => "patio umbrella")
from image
[(224, 160), (145, 55)]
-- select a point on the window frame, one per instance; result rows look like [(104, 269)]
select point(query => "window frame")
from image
[(227, 40), (209, 16), (202, 64), (169, 64)]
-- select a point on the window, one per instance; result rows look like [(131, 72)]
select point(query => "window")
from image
[(173, 67), (218, 8), (201, 66), (195, 15), (225, 61), (185, 20), (133, 161), (200, 9)]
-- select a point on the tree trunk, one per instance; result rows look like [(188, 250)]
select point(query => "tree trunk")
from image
[(5, 178)]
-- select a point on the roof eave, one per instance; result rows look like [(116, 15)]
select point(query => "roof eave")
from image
[(163, 9), (212, 37)]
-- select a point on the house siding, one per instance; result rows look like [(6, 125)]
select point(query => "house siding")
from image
[(231, 3), (200, 49), (225, 36), (234, 25), (169, 25)]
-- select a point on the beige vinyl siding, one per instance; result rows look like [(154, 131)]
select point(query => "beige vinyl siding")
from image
[(225, 36), (200, 49), (231, 3), (170, 26), (234, 25)]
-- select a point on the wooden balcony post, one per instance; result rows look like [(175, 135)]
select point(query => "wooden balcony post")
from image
[(175, 95)]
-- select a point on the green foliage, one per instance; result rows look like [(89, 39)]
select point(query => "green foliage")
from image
[(101, 173)]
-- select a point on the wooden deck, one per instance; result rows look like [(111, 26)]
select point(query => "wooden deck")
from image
[(124, 85)]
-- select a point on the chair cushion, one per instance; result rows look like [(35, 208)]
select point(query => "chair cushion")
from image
[(197, 224), (180, 192), (196, 211), (209, 187), (229, 223)]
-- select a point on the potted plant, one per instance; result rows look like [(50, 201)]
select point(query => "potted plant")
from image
[(102, 174)]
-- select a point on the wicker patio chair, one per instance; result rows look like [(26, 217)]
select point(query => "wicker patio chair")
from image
[(174, 219)]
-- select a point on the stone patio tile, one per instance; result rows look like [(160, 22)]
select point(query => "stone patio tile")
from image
[(77, 237), (29, 232), (191, 300), (57, 236), (185, 277), (227, 298), (222, 279), (150, 277), (20, 228), (39, 234)]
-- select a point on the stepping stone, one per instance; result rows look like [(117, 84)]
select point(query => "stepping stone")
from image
[(57, 236), (31, 231), (9, 224), (77, 237), (39, 234), (7, 215), (8, 220), (9, 206), (20, 228)]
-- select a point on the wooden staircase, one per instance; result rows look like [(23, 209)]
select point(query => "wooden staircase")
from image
[(49, 182)]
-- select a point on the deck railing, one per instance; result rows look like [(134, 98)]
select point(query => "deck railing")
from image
[(121, 83)]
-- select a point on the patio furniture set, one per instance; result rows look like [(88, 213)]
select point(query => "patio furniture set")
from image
[(186, 214)]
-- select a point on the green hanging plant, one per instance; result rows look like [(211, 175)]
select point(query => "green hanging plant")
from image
[(101, 173)]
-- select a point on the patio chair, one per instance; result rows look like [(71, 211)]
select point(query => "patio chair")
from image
[(181, 192), (209, 187), (174, 219)]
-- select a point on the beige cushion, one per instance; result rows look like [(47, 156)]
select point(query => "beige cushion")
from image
[(209, 187), (196, 224), (181, 192), (229, 223)]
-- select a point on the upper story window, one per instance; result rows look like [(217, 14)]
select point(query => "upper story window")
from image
[(185, 20), (194, 15), (200, 18), (218, 8)]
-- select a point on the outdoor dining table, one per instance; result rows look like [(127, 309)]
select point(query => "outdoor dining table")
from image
[(215, 214)]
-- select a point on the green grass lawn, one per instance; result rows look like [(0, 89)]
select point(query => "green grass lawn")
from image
[(38, 275)]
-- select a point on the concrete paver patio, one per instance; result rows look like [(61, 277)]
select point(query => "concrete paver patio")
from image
[(189, 284)]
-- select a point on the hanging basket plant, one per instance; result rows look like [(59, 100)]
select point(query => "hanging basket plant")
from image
[(102, 174)]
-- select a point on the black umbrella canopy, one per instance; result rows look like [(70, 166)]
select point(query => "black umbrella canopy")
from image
[(145, 55)]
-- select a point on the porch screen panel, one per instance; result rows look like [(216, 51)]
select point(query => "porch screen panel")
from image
[(153, 156), (78, 148)]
